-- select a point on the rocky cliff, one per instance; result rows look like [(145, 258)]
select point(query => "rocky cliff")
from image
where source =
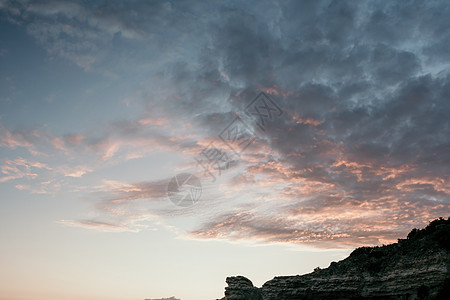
[(417, 267)]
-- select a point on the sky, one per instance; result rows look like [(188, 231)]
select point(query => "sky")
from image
[(150, 149)]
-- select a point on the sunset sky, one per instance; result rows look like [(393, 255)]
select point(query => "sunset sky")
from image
[(103, 103)]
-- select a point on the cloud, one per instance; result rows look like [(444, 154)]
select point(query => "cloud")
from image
[(43, 187), (122, 206), (76, 171), (98, 225), (359, 155), (20, 168), (361, 122), (38, 141), (15, 139), (323, 221), (121, 191), (171, 298)]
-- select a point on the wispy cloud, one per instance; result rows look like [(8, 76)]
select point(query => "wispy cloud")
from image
[(171, 298), (76, 171), (15, 139), (20, 168), (43, 187), (98, 225)]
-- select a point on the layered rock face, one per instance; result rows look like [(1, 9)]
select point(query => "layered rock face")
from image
[(416, 268), (241, 288)]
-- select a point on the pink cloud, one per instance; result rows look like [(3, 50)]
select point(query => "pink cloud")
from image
[(342, 226), (98, 225), (77, 171), (20, 168), (306, 121), (47, 187), (437, 183), (13, 139), (152, 121), (58, 143)]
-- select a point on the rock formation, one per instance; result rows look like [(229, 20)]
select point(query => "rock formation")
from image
[(240, 287), (415, 268)]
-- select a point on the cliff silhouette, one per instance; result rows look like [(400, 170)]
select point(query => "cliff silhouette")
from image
[(415, 268)]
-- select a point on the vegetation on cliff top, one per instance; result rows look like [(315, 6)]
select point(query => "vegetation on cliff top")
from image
[(418, 244), (435, 235)]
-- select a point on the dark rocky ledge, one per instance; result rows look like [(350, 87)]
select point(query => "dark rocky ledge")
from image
[(417, 267)]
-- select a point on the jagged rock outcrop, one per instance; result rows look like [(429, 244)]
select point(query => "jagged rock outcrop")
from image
[(415, 268), (241, 288)]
